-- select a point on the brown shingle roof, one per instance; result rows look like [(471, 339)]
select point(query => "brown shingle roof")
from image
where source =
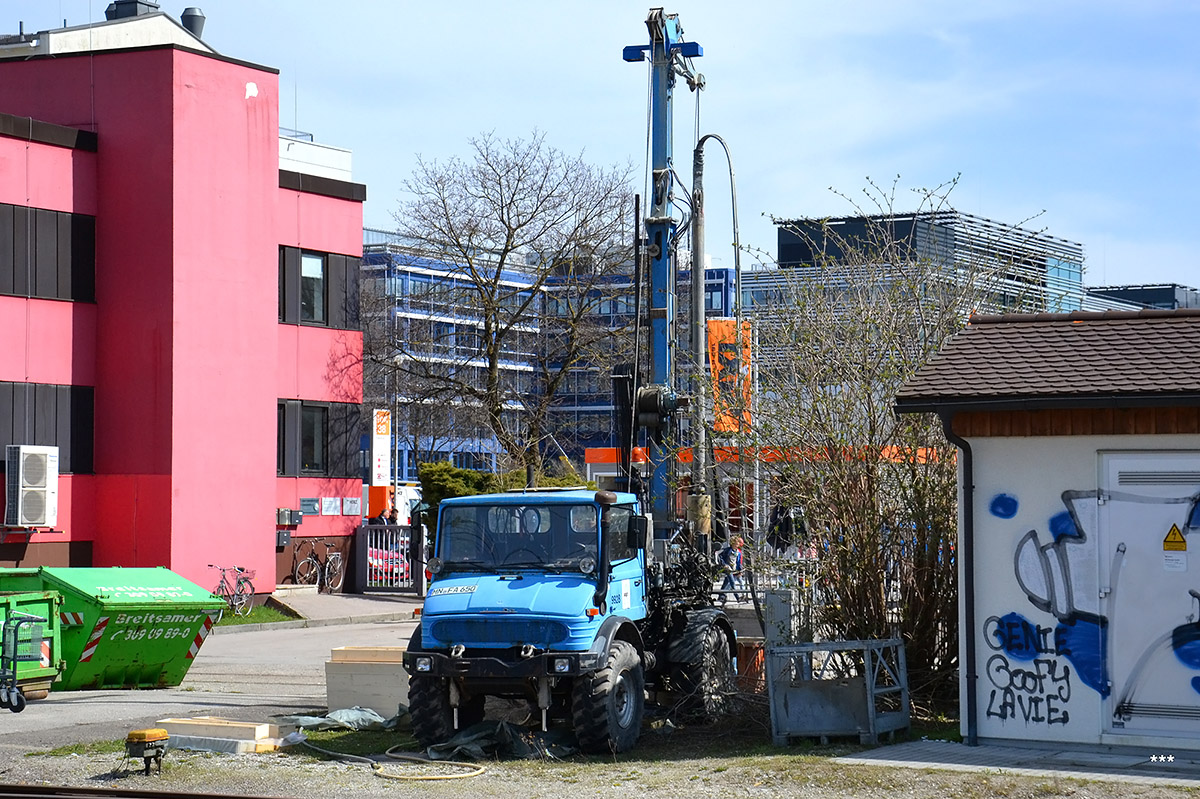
[(1058, 360)]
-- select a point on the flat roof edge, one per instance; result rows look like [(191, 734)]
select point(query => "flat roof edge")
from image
[(145, 48), (328, 187), (35, 130)]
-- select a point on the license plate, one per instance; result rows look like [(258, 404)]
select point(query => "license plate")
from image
[(451, 589)]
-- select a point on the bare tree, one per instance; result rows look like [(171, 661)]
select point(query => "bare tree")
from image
[(423, 410), (524, 245), (876, 494)]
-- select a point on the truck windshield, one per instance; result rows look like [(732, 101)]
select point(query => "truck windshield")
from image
[(528, 536)]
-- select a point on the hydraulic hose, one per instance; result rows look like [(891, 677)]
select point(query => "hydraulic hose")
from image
[(474, 769)]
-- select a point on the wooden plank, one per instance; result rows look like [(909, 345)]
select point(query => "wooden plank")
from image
[(1060, 423), (215, 728), (1039, 423), (368, 654), (1020, 423), (273, 730)]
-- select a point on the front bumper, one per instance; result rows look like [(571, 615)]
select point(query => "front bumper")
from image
[(545, 664)]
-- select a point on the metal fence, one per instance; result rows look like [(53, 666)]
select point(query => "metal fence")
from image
[(390, 558)]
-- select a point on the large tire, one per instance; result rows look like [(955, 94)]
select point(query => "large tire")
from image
[(710, 683), (431, 713), (607, 705), (429, 707)]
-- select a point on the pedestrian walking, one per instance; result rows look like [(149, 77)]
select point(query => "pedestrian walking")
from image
[(730, 559)]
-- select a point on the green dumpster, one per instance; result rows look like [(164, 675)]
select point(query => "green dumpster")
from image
[(123, 627), (34, 677)]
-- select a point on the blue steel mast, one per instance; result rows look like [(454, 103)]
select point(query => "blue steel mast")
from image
[(657, 403)]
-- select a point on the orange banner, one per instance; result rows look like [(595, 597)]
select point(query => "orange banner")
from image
[(731, 389)]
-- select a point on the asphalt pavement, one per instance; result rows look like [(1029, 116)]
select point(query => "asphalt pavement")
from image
[(254, 672)]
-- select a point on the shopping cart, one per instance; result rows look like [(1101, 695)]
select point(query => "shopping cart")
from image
[(21, 642)]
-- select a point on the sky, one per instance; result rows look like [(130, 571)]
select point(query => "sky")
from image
[(1079, 119)]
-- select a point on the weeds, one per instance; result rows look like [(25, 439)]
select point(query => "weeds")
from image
[(262, 614), (86, 748)]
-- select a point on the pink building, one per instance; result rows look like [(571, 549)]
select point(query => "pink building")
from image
[(178, 313)]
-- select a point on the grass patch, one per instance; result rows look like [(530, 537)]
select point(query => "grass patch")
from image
[(262, 614), (362, 743), (88, 748), (935, 730)]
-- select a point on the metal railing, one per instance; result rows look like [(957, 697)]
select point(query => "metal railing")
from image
[(390, 558)]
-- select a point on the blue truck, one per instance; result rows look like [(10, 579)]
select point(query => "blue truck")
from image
[(554, 597)]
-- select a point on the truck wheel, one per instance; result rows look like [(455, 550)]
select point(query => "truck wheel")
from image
[(709, 684), (432, 715), (606, 706)]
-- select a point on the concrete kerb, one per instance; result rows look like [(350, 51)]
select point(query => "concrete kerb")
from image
[(302, 623), (311, 609)]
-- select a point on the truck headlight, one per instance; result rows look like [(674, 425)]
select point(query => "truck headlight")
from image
[(562, 665), (424, 664), (434, 565), (587, 565)]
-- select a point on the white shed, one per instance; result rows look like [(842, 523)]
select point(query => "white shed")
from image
[(1079, 478)]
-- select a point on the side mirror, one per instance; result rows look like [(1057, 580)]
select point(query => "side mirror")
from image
[(636, 538)]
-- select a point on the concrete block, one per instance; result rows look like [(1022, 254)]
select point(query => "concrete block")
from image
[(381, 686), (210, 744)]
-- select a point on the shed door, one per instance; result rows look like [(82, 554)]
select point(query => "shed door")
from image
[(1150, 591)]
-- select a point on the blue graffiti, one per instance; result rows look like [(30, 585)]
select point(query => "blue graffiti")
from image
[(1004, 506), (1020, 638), (1185, 642), (1083, 639), (1062, 525), (1196, 684)]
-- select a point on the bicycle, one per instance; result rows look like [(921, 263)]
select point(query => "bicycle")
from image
[(238, 593), (328, 575)]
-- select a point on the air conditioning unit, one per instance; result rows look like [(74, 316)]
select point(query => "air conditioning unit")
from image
[(31, 486)]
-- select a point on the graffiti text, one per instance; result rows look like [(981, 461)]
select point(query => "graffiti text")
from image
[(1034, 692)]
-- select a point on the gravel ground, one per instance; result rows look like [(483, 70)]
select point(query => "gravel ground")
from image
[(659, 774)]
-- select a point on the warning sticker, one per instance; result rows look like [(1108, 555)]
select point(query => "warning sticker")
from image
[(1174, 542)]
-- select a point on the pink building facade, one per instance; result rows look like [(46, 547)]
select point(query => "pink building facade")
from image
[(177, 314)]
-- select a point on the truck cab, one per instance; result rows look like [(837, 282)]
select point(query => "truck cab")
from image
[(530, 591)]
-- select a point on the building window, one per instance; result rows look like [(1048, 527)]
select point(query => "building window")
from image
[(319, 438), (314, 425), (280, 437), (312, 288), (713, 300), (318, 288), (54, 415), (47, 254)]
